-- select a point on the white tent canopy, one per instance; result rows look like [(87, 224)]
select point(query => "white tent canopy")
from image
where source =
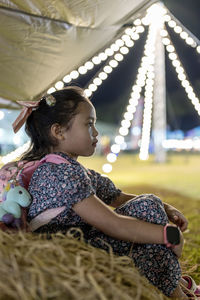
[(43, 40)]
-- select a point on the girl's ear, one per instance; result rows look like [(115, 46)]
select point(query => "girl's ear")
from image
[(56, 131)]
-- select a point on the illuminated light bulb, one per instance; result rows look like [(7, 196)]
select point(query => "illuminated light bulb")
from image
[(115, 148), (145, 21), (128, 31), (113, 63), (123, 146), (183, 35), (125, 37), (131, 108), (198, 49), (134, 97), (97, 81), (119, 57), (185, 83), (179, 69), (136, 88), (51, 90), (194, 45), (128, 116), (170, 48), (191, 95), (135, 36), (172, 56), (181, 76), (123, 131), (67, 78), (137, 22), (124, 50), (126, 123), (178, 29), (96, 60), (139, 29), (111, 157), (74, 74), (103, 75), (109, 52), (176, 63), (129, 43), (102, 56), (167, 18), (1, 115), (107, 69), (189, 89), (107, 168), (114, 47), (88, 92), (82, 70), (89, 65), (92, 87), (189, 41), (119, 139), (119, 43), (134, 101), (163, 33), (172, 23), (59, 85), (140, 82), (166, 41)]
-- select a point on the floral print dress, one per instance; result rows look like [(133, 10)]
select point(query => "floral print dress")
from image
[(55, 185)]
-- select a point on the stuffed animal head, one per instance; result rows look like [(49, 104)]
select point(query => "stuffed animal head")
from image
[(16, 193)]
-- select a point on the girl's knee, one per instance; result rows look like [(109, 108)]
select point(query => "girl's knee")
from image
[(146, 207)]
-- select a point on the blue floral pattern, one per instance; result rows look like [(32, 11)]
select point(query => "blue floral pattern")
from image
[(66, 184)]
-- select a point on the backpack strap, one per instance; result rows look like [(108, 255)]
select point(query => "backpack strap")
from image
[(46, 216), (29, 168)]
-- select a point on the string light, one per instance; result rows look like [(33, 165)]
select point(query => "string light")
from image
[(148, 100), (121, 46), (183, 32), (113, 62), (182, 76), (187, 144), (14, 154)]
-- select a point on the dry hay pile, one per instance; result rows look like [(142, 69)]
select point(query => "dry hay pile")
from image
[(63, 267)]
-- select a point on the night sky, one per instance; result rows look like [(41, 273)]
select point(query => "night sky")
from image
[(111, 97)]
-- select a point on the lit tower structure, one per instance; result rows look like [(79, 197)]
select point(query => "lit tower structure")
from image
[(159, 96)]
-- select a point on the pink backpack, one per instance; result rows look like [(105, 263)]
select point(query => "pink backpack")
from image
[(21, 172)]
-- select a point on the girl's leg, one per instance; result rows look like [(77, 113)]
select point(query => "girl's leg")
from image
[(156, 262)]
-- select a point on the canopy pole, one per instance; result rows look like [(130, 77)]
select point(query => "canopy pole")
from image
[(159, 100)]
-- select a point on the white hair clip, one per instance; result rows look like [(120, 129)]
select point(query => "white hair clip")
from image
[(50, 100)]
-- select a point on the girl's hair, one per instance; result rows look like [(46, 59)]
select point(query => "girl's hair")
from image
[(39, 122)]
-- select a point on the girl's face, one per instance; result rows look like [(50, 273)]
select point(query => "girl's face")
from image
[(81, 137)]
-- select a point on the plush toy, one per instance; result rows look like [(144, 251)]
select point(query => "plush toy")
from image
[(14, 197)]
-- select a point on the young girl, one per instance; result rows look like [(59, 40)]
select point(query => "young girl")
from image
[(64, 123)]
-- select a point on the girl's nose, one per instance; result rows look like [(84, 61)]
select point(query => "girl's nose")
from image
[(95, 132)]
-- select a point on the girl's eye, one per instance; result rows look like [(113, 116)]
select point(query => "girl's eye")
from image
[(90, 124)]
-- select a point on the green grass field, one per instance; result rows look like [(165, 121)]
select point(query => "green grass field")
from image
[(175, 182), (180, 173)]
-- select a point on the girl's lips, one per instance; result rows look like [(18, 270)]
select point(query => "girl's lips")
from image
[(94, 143)]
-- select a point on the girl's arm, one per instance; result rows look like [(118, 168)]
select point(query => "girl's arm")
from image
[(121, 199), (174, 215), (94, 212)]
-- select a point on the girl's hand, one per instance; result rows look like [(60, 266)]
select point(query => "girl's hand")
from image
[(178, 249), (176, 217)]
